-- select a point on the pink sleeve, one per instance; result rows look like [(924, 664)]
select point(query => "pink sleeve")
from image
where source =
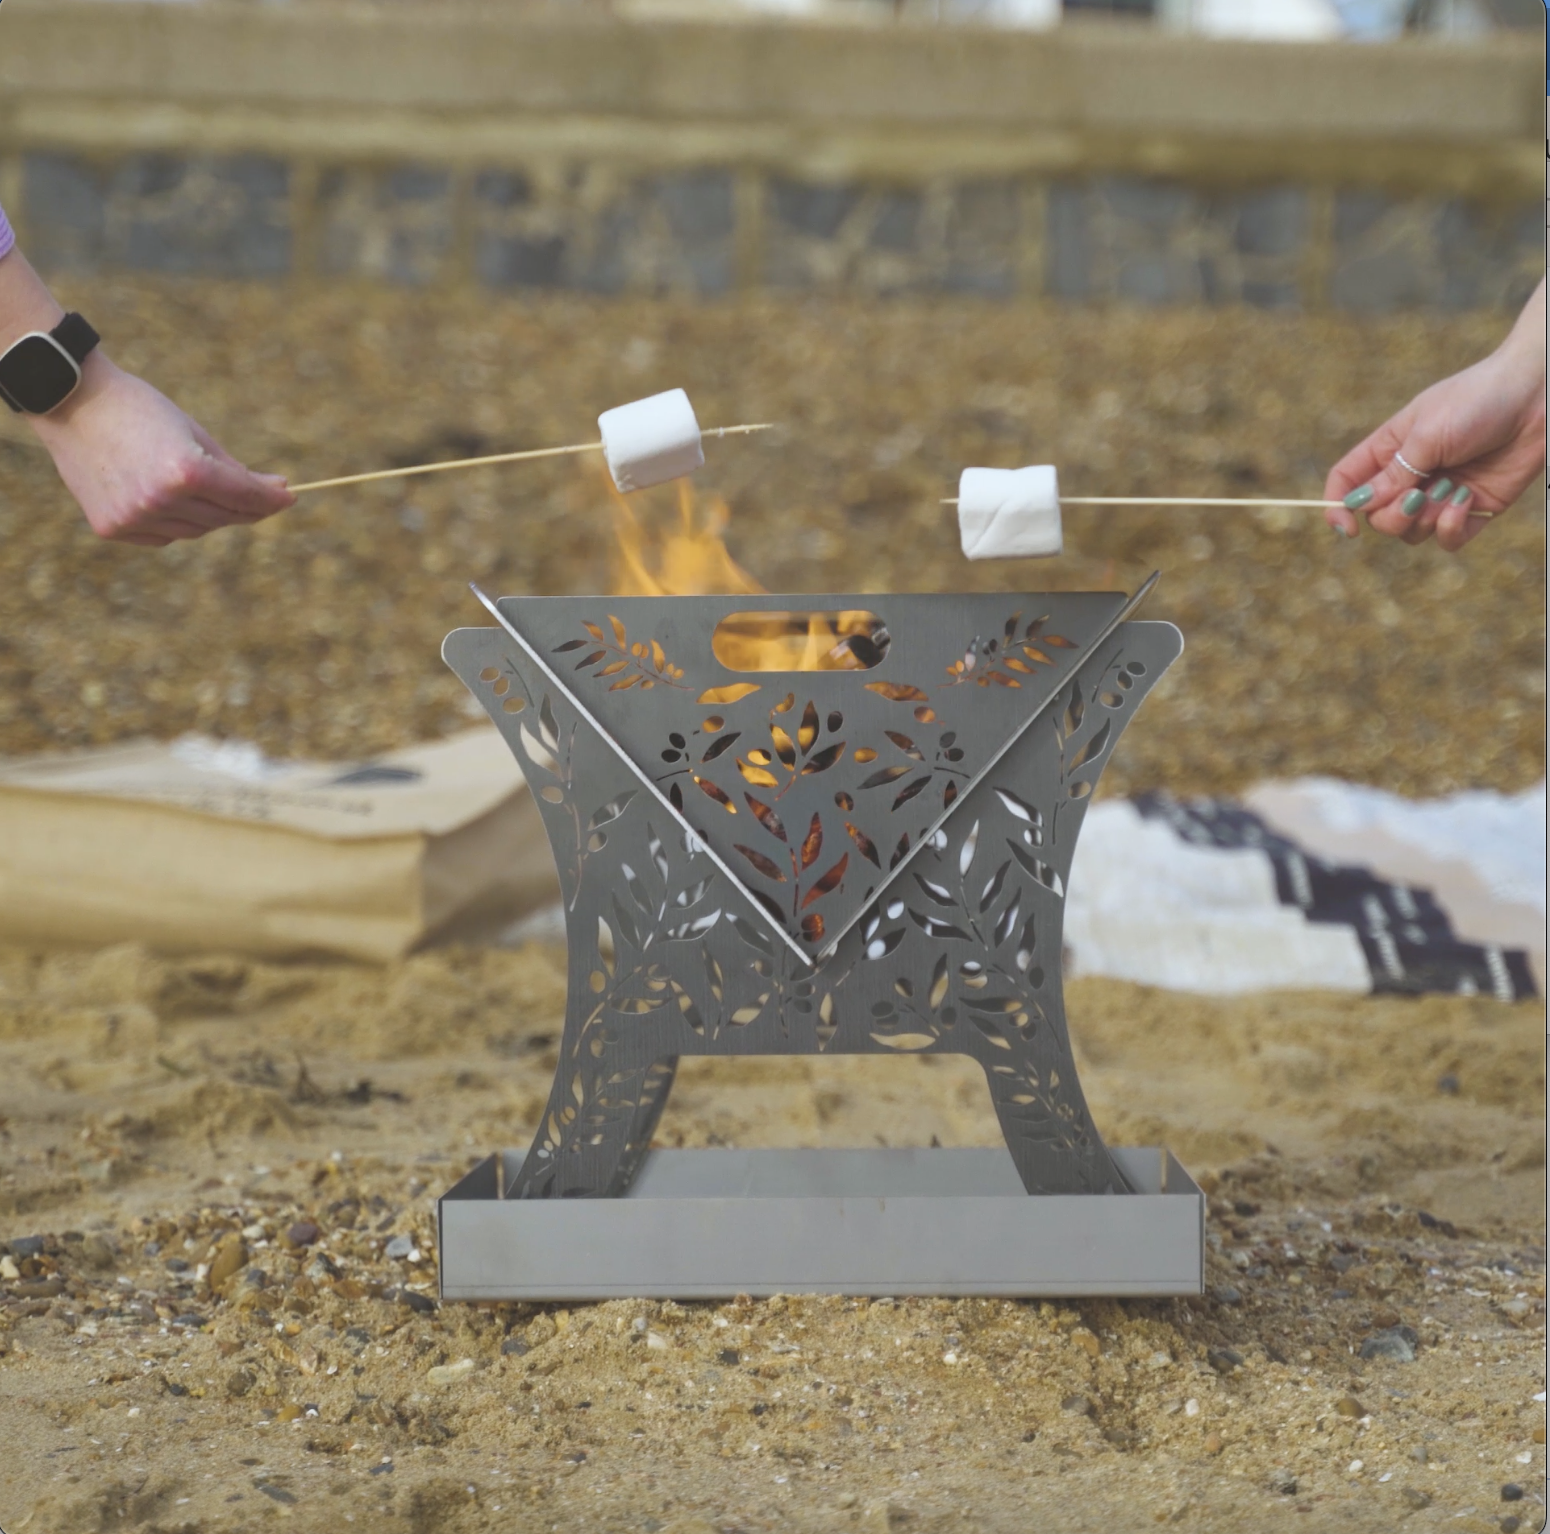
[(7, 239)]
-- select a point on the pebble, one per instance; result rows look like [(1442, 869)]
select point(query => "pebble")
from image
[(1512, 1492), (1227, 1295), (1214, 1443), (1349, 1406), (1085, 1340), (1284, 1482), (1078, 1404), (1224, 1360), (421, 1303), (231, 1255), (846, 1499), (1448, 1084), (657, 1341), (1354, 1468), (302, 1233), (398, 1247), (450, 1374), (514, 1347), (1192, 1407), (8, 1268), (1510, 1524), (1396, 1343), (1414, 1498), (28, 1246)]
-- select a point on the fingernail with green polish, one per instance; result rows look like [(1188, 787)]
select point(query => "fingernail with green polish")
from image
[(1440, 490), (1461, 495), (1341, 530), (1414, 500), (1358, 498)]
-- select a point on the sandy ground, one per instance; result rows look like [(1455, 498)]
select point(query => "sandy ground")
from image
[(204, 1164), (213, 1335)]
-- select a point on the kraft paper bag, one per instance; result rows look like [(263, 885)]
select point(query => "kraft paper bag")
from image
[(200, 845)]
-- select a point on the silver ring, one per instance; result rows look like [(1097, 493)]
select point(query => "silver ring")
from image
[(1409, 468)]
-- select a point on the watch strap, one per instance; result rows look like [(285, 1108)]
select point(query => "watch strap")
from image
[(76, 334)]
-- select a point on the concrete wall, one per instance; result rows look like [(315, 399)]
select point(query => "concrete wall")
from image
[(1091, 163)]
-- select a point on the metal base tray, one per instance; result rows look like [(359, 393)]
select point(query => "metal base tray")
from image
[(708, 1224)]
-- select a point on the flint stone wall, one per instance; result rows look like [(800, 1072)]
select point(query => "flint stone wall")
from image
[(935, 188)]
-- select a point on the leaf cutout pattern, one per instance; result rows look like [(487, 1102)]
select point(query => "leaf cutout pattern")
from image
[(881, 946), (934, 926), (1038, 868), (910, 789), (936, 892), (766, 866), (898, 692), (823, 760), (758, 776), (992, 891), (719, 795), (807, 731), (611, 811), (785, 747), (753, 935), (734, 692), (1019, 807), (905, 744), (812, 843), (1093, 749), (884, 775), (766, 816), (826, 882), (864, 844), (538, 753), (720, 744)]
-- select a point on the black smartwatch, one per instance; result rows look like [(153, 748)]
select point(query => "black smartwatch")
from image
[(43, 369)]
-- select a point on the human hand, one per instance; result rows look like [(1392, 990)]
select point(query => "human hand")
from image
[(142, 470), (1477, 440)]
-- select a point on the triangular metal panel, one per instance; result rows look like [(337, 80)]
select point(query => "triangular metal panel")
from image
[(811, 785)]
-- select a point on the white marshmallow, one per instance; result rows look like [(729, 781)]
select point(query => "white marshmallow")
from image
[(651, 440), (1009, 513)]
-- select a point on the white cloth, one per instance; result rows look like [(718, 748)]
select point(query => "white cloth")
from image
[(1009, 513), (1145, 905), (651, 440)]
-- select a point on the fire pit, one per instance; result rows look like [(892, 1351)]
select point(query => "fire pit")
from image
[(791, 832)]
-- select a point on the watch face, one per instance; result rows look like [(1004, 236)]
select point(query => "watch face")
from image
[(37, 374)]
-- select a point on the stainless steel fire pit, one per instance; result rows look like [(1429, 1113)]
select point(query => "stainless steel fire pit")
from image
[(864, 860)]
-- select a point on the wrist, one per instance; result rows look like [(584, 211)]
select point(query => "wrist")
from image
[(98, 374)]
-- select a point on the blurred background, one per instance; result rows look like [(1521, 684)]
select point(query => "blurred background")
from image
[(1195, 247)]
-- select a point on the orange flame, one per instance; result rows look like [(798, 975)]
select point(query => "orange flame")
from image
[(691, 558)]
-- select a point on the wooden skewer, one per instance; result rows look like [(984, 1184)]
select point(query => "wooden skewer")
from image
[(475, 463), (1168, 500), (1188, 500)]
